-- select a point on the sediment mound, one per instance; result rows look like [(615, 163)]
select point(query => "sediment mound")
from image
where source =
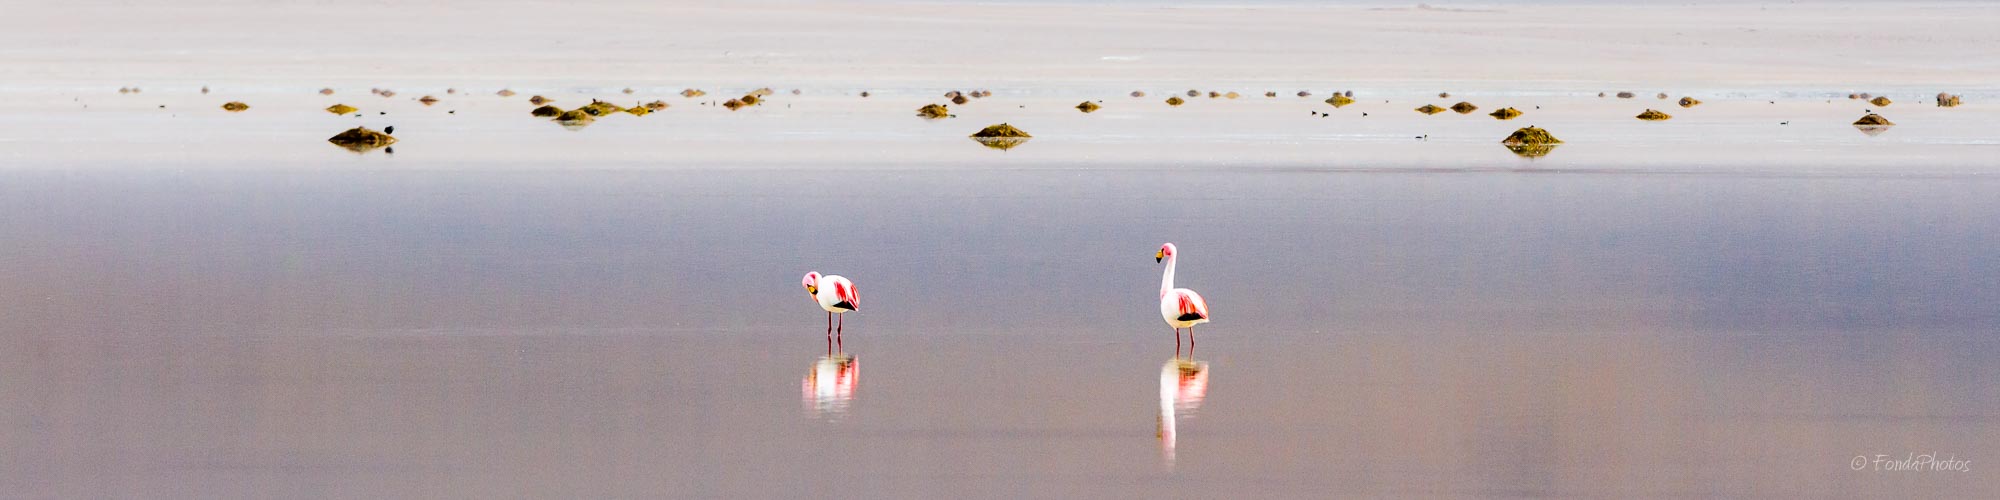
[(539, 100), (1625, 95), (1001, 130), (1873, 120), (504, 93), (750, 100), (1303, 93), (1662, 95), (934, 111), (1880, 101), (692, 93), (1270, 94), (1945, 100), (547, 112), (960, 99), (628, 90), (1505, 113), (1444, 95), (1087, 106), (600, 108), (1653, 115), (1232, 95), (360, 139), (1138, 93), (1175, 101), (1464, 108), (1339, 100), (1430, 109), (575, 117), (234, 106), (1689, 102), (341, 109), (733, 104), (1530, 135), (325, 91), (428, 100), (638, 111)]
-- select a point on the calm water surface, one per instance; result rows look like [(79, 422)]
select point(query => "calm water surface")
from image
[(551, 332)]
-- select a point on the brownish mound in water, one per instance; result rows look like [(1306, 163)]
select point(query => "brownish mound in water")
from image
[(1874, 120), (638, 110), (547, 112), (1689, 102), (733, 104), (539, 100), (657, 105), (1138, 93), (325, 91), (1001, 130), (1531, 135), (359, 139), (1430, 109), (1087, 106), (1945, 100), (601, 108), (575, 116), (1653, 115), (341, 109), (234, 106), (960, 99), (1444, 95), (1625, 95), (504, 93), (1175, 101), (1339, 100), (1464, 108), (1505, 113), (750, 100), (1880, 101), (692, 93), (1270, 94), (934, 111)]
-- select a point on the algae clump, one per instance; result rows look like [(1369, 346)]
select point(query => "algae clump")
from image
[(1464, 108), (1689, 102), (341, 109), (1531, 135), (1505, 113), (361, 139), (547, 112), (1653, 115), (1873, 120), (1339, 100), (934, 111), (1087, 106), (1430, 109), (234, 106), (1001, 130)]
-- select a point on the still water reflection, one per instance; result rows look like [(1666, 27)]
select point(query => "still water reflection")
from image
[(829, 386), (1183, 386)]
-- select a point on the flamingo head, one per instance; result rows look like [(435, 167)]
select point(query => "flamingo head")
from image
[(1166, 250), (812, 283)]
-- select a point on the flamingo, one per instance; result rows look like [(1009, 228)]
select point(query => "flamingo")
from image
[(1181, 307), (834, 294)]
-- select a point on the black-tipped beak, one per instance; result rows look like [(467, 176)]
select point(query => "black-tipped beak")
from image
[(1158, 259)]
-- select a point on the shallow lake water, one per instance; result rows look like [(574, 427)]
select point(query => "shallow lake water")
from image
[(534, 332)]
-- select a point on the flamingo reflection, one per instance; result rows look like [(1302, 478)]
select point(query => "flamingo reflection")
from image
[(1183, 385), (829, 387)]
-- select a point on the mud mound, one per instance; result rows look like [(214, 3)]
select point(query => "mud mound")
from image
[(234, 106), (1653, 115), (934, 111), (1087, 106), (1430, 109), (1505, 113), (1689, 102), (1001, 130), (1464, 108), (341, 109), (1880, 101), (1175, 101), (1339, 100), (361, 139), (547, 112), (1945, 100), (1873, 120), (1530, 135)]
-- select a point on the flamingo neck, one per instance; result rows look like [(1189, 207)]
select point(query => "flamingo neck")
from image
[(1167, 279)]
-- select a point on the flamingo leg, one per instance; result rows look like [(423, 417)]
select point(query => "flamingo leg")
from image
[(838, 338), (1190, 342), (1177, 343)]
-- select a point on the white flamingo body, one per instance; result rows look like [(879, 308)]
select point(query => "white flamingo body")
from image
[(836, 294), (1180, 307)]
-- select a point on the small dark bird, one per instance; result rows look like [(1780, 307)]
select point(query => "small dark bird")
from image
[(1364, 114), (384, 112), (1538, 107), (1785, 123), (391, 130), (389, 150)]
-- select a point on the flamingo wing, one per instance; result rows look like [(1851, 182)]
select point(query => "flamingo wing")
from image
[(1190, 305), (846, 296)]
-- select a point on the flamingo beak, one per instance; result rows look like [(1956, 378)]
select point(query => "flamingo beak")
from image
[(1159, 256), (812, 290)]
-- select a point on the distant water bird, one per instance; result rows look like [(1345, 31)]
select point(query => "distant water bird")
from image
[(834, 294), (1364, 113), (1787, 122), (391, 130), (1180, 307)]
